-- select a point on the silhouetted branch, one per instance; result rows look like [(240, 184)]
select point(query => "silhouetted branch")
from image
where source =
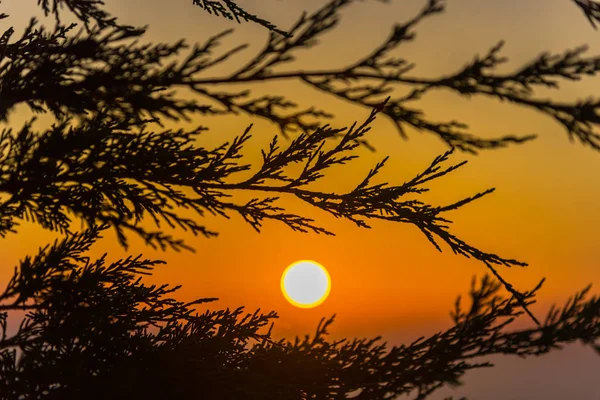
[(591, 9), (117, 177), (85, 74), (85, 11), (90, 10), (102, 172), (91, 328), (478, 77), (105, 173), (230, 10), (128, 79)]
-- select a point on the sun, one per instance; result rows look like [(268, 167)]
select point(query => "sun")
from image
[(305, 284)]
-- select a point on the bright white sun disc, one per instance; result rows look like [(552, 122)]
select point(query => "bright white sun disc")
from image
[(305, 284)]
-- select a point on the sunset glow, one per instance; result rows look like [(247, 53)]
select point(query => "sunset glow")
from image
[(305, 284)]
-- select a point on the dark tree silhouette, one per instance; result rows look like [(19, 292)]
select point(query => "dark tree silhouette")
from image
[(88, 331), (94, 330)]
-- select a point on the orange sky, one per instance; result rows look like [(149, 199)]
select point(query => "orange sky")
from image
[(544, 210)]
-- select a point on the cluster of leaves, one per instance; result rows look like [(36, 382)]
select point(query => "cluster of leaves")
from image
[(94, 330)]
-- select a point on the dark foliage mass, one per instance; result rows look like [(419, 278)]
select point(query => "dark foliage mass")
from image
[(94, 330), (89, 329)]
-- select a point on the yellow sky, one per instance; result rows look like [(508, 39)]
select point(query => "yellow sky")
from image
[(389, 280)]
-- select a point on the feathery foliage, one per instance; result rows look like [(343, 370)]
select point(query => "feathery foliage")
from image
[(95, 330), (116, 77), (591, 9), (93, 76), (230, 10)]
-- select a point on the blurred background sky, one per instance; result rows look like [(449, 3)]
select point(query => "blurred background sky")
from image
[(390, 280)]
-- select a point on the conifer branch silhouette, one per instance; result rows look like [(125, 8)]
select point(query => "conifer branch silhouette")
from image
[(86, 11), (93, 330), (103, 173), (591, 9), (476, 78), (90, 10), (230, 10), (108, 77)]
